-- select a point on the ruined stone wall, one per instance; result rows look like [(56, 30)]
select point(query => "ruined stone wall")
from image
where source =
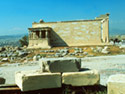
[(75, 33), (38, 43)]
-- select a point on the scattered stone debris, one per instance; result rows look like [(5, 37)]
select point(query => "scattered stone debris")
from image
[(85, 53), (99, 49), (5, 60), (105, 50), (90, 55), (10, 54), (18, 54)]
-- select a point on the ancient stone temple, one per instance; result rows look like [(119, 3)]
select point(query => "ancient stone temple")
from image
[(70, 33)]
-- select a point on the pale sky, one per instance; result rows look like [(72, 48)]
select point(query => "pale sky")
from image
[(17, 15)]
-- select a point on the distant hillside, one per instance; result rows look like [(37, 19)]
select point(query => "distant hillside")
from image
[(12, 36), (11, 40), (116, 32)]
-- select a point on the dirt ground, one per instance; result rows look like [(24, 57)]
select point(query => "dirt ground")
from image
[(106, 65)]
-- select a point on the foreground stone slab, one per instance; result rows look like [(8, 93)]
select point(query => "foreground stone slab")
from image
[(35, 80), (116, 84), (84, 78), (60, 64)]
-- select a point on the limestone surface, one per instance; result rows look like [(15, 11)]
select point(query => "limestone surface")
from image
[(35, 80), (116, 84), (84, 78), (60, 64)]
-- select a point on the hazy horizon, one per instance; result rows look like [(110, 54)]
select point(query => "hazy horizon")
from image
[(116, 32), (18, 15)]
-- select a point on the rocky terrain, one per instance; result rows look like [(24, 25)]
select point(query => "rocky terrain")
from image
[(107, 60), (10, 54), (20, 58)]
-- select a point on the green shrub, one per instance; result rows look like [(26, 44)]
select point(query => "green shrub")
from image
[(24, 41)]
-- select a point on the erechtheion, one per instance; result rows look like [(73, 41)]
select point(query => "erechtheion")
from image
[(69, 33)]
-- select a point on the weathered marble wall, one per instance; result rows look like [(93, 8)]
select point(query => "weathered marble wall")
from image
[(74, 33)]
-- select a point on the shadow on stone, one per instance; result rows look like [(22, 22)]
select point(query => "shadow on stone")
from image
[(56, 39), (84, 69), (66, 89), (45, 91), (2, 80), (96, 89)]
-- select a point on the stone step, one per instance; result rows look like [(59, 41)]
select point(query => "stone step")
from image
[(35, 80), (83, 78), (60, 64)]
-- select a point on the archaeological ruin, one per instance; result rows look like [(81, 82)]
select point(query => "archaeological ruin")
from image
[(70, 33), (56, 73)]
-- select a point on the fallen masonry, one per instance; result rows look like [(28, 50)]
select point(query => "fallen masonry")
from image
[(60, 64), (83, 78), (61, 71), (35, 80), (116, 84)]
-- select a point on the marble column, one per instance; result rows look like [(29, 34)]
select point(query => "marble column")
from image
[(40, 36), (29, 35), (46, 34), (34, 35)]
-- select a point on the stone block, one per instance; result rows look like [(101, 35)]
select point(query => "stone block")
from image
[(4, 60), (60, 64), (116, 84), (83, 78), (35, 80), (105, 51)]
